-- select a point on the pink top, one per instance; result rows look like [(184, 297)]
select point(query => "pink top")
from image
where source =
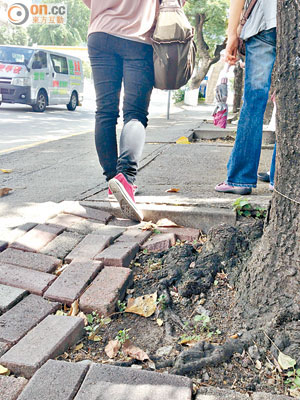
[(132, 19)]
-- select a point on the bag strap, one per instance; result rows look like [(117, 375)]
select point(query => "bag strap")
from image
[(248, 12)]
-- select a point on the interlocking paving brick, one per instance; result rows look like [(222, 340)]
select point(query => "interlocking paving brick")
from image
[(113, 231), (55, 380), (28, 279), (11, 387), (89, 247), (74, 223), (159, 242), (186, 234), (62, 245), (10, 235), (37, 237), (4, 347), (209, 393), (26, 259), (47, 340), (73, 280), (16, 322), (268, 396), (107, 382), (134, 235), (75, 208), (120, 254), (9, 296), (104, 292)]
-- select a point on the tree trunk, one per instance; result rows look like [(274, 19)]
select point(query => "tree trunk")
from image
[(268, 288), (238, 88)]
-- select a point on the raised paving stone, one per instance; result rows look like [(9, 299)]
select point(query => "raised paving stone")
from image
[(62, 245), (120, 254), (73, 280), (55, 380), (104, 292), (106, 382), (4, 347), (9, 296), (186, 234), (89, 247), (34, 281), (26, 259), (134, 235), (211, 393), (47, 340), (268, 396), (13, 234), (74, 223), (11, 387), (159, 242), (16, 322), (75, 208), (37, 238)]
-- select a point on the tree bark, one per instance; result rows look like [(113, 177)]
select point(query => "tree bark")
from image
[(238, 88), (268, 288), (205, 60)]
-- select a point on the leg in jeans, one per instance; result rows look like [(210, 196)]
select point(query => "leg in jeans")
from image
[(138, 83), (107, 67), (260, 57)]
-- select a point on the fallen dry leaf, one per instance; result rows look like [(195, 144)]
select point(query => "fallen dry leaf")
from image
[(143, 305), (173, 190), (236, 336), (188, 342), (74, 310), (5, 191), (134, 352), (6, 171), (94, 337), (112, 348), (166, 223), (183, 140), (79, 347), (4, 370), (149, 226)]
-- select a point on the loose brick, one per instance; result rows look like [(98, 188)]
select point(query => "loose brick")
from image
[(186, 234), (62, 245), (11, 387), (37, 237), (134, 235), (89, 247), (26, 259), (34, 281), (75, 208), (120, 254), (47, 340), (74, 224), (16, 322), (159, 242), (9, 296), (104, 292), (55, 380), (3, 348), (108, 382), (113, 231), (72, 282)]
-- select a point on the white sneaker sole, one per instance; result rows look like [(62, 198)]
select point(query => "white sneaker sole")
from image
[(128, 207)]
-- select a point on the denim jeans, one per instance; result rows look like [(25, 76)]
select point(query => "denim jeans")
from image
[(244, 160), (115, 60)]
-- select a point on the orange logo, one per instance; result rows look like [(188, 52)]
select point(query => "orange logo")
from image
[(18, 13)]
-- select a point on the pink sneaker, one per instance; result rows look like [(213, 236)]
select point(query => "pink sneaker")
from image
[(225, 188), (124, 193), (112, 197)]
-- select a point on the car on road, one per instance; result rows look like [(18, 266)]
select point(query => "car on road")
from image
[(40, 78)]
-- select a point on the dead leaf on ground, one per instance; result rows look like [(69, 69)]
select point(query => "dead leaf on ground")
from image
[(74, 310), (94, 337), (112, 348), (5, 191), (4, 370), (6, 171), (173, 190), (143, 305), (149, 226), (134, 352), (285, 361), (78, 347), (183, 140), (189, 342), (166, 223)]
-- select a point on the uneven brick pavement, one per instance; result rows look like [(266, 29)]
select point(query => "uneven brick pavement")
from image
[(81, 254)]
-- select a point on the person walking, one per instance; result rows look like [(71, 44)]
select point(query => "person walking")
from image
[(120, 51), (259, 32)]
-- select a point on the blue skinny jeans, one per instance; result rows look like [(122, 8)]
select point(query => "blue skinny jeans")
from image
[(115, 60), (243, 163)]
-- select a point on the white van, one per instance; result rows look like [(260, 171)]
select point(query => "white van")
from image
[(40, 78)]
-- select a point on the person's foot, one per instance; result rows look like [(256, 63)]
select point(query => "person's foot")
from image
[(263, 176), (225, 188), (124, 193), (271, 187), (112, 197)]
